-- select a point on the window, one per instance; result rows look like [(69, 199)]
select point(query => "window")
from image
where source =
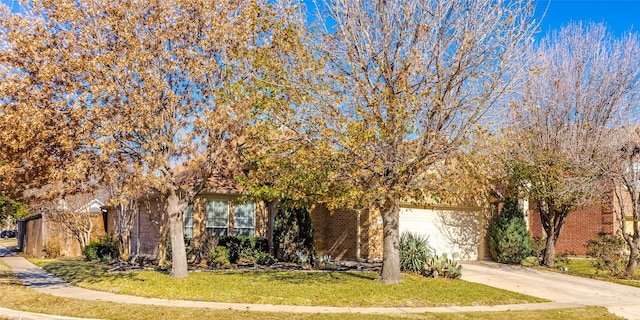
[(188, 222), (244, 219), (217, 217)]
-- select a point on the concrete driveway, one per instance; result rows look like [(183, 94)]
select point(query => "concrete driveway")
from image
[(619, 299)]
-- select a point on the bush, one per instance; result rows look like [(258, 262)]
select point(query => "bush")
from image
[(51, 250), (219, 258), (292, 232), (103, 249), (609, 252), (264, 259), (441, 266), (414, 251), (509, 239), (243, 248), (537, 247)]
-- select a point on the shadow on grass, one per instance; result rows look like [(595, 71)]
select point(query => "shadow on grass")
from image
[(318, 277), (74, 271), (7, 278)]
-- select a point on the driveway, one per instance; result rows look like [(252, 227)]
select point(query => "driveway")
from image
[(619, 299)]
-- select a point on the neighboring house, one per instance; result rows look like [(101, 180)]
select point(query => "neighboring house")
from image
[(43, 235), (215, 212), (349, 235)]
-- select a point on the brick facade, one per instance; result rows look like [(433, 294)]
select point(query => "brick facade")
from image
[(336, 233), (580, 226), (149, 223)]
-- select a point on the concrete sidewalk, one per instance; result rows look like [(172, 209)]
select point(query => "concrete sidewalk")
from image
[(40, 280)]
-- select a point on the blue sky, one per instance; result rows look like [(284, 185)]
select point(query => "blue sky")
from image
[(619, 16)]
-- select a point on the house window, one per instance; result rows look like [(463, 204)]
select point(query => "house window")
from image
[(244, 219), (188, 222), (217, 217)]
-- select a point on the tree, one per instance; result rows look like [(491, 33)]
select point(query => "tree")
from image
[(293, 232), (74, 216), (155, 83), (402, 85), (623, 171), (581, 82), (509, 239), (10, 211), (43, 121)]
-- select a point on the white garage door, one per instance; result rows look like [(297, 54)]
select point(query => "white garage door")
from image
[(448, 230)]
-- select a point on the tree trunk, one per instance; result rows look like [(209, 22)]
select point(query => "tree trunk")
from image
[(632, 265), (124, 224), (176, 231), (124, 246), (549, 258), (553, 223), (390, 272)]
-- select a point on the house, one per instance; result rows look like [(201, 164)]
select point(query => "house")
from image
[(350, 235), (217, 210), (57, 229)]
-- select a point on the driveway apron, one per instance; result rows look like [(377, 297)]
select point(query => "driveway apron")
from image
[(619, 299)]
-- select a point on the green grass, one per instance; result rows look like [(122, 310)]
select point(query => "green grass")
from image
[(340, 289), (17, 297), (584, 268)]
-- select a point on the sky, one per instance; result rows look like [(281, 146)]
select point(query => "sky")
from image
[(619, 16)]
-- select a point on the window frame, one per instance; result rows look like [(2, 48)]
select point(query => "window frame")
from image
[(187, 216), (211, 223), (238, 219)]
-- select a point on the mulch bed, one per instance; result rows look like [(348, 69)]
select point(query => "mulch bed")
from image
[(341, 266)]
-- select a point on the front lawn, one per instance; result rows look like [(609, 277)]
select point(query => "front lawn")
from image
[(585, 268), (17, 297), (341, 289)]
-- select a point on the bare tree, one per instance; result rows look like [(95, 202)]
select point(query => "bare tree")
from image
[(403, 83), (73, 213), (75, 216), (622, 168), (581, 82)]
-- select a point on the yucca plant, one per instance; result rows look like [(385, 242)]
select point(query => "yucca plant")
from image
[(414, 251)]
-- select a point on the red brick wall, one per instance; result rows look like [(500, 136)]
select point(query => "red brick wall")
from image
[(580, 226)]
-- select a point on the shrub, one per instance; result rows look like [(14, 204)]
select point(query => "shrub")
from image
[(323, 263), (441, 266), (264, 259), (537, 247), (219, 258), (414, 251), (243, 248), (292, 231), (103, 249), (509, 239), (51, 250), (609, 253)]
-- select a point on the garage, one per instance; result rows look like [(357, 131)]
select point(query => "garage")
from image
[(449, 229)]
